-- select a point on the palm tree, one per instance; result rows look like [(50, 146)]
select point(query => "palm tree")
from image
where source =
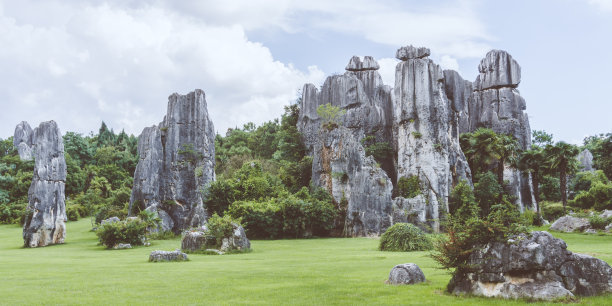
[(506, 149), (562, 158), (533, 161), (479, 148)]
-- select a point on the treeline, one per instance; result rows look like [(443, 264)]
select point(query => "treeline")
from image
[(100, 171)]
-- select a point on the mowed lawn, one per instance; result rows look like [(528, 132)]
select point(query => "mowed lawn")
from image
[(308, 271)]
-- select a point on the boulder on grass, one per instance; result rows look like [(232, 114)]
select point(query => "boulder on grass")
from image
[(570, 224), (406, 274), (201, 241), (157, 256), (535, 266)]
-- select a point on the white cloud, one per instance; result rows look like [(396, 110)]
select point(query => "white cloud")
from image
[(448, 62), (605, 5), (118, 64)]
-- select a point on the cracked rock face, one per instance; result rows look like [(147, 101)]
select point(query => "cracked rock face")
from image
[(494, 102), (585, 158), (177, 160), (339, 161), (425, 132), (46, 211), (534, 266)]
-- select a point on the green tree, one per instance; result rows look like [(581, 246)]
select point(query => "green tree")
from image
[(480, 148), (330, 115), (507, 150), (562, 157)]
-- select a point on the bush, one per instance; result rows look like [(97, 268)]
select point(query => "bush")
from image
[(598, 197), (462, 203), (598, 222), (127, 231), (465, 236), (404, 237), (220, 227), (530, 218), (261, 220), (487, 192), (13, 213), (551, 211), (409, 187), (72, 213)]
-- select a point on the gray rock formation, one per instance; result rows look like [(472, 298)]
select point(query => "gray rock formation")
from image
[(22, 140), (198, 241), (537, 266), (493, 101), (340, 163), (410, 52), (585, 158), (424, 120), (570, 224), (122, 246), (46, 211), (110, 220), (341, 166), (406, 274), (177, 161), (158, 256)]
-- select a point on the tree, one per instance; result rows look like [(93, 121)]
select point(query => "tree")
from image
[(562, 158), (601, 147), (330, 115), (480, 148), (541, 138), (506, 148)]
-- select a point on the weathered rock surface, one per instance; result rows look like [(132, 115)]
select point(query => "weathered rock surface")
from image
[(585, 158), (22, 140), (341, 166), (410, 52), (177, 160), (406, 274), (157, 256), (494, 102), (570, 224), (110, 220), (194, 241), (425, 143), (535, 266), (121, 246), (46, 211)]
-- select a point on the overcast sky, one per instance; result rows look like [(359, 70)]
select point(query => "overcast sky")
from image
[(84, 62)]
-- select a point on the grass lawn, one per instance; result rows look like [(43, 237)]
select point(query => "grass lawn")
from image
[(312, 271)]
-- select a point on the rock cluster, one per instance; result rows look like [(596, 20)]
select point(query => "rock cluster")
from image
[(536, 266), (406, 274), (493, 101), (158, 256), (46, 210), (198, 241), (177, 160)]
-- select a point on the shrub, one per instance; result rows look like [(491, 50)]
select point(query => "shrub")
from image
[(220, 227), (487, 192), (598, 222), (404, 237), (261, 220), (330, 115), (409, 187), (530, 218), (552, 211), (72, 213), (598, 197), (465, 236), (462, 203), (13, 213), (127, 231)]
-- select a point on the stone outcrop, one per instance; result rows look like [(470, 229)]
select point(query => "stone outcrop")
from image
[(22, 140), (585, 158), (570, 224), (535, 266), (158, 256), (198, 241), (341, 166), (406, 274), (425, 132), (46, 210), (493, 101), (361, 185), (177, 160)]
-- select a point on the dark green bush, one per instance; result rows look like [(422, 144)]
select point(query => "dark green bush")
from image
[(261, 220), (530, 217), (13, 213), (598, 197), (220, 227), (598, 222), (404, 237), (128, 231), (551, 211), (72, 213), (408, 187), (462, 203)]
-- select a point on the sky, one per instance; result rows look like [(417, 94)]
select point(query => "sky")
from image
[(83, 62)]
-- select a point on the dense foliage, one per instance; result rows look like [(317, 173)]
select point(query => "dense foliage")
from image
[(404, 237)]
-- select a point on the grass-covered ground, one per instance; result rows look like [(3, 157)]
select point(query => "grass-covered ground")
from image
[(313, 271)]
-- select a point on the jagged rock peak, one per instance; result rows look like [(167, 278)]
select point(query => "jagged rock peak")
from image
[(22, 140), (46, 212), (409, 52), (498, 69), (355, 64), (177, 160)]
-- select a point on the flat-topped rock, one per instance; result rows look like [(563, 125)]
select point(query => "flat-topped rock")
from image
[(498, 69), (159, 256), (410, 52)]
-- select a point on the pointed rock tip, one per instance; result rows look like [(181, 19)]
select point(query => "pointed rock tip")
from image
[(368, 63)]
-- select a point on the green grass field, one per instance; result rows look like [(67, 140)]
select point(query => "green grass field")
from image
[(310, 271)]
